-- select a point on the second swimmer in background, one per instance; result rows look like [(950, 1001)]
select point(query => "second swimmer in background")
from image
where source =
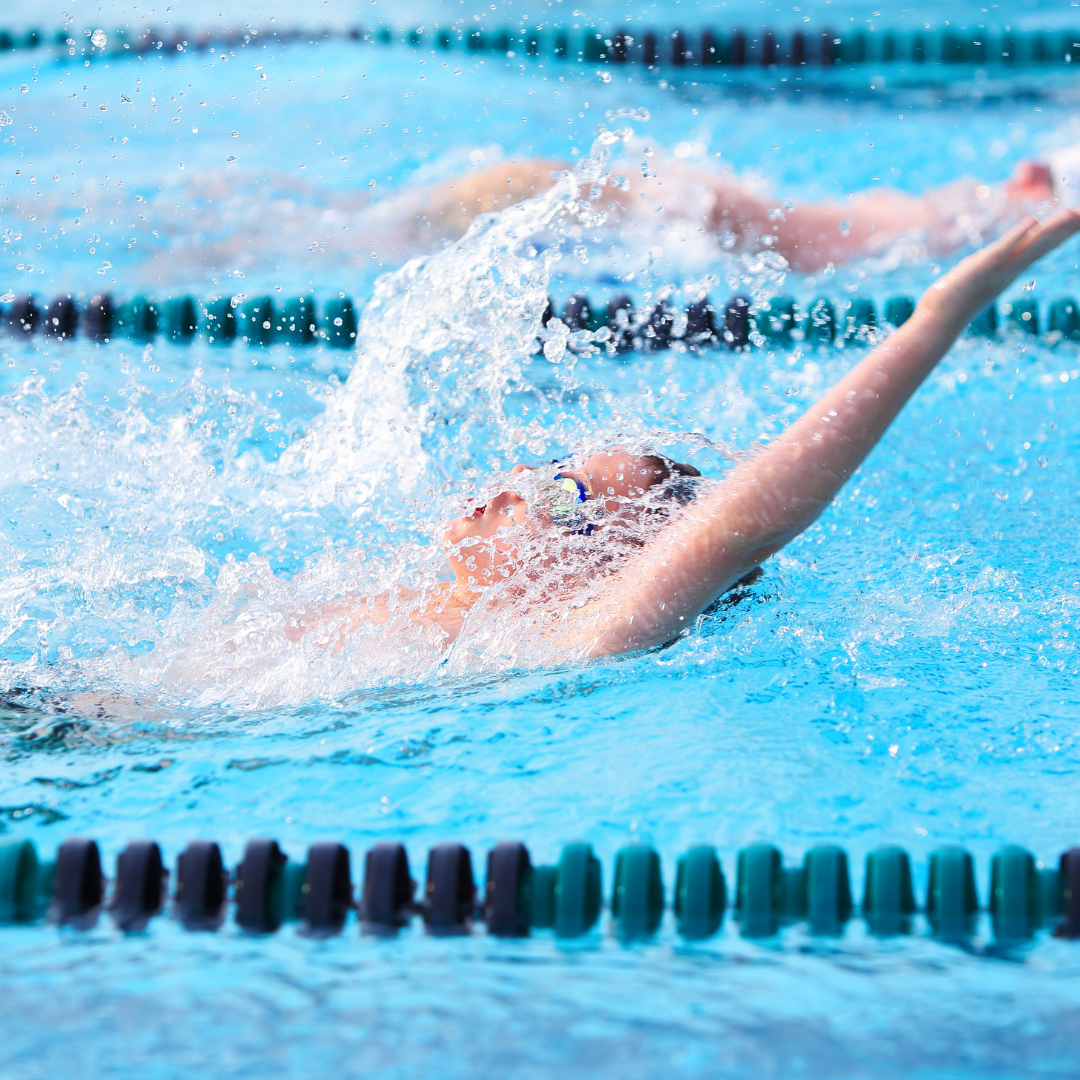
[(809, 235)]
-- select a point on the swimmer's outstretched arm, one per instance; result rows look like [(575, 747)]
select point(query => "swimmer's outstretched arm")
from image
[(769, 500)]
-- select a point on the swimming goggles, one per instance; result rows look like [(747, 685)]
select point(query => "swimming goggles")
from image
[(565, 501)]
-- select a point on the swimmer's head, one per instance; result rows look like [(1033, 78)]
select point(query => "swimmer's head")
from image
[(610, 482)]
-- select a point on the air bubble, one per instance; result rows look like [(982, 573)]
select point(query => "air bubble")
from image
[(98, 38)]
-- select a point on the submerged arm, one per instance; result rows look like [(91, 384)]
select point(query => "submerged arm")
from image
[(773, 497)]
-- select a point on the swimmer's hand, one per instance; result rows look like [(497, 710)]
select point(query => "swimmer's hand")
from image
[(767, 501), (973, 284)]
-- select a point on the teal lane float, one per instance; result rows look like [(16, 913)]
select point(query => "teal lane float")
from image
[(719, 48), (220, 320), (266, 890)]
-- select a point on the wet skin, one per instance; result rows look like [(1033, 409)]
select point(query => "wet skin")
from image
[(808, 235)]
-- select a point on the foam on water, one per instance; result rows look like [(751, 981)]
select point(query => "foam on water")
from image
[(446, 345)]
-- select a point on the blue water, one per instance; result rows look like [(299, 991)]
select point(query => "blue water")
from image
[(904, 673)]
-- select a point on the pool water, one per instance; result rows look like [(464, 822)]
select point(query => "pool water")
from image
[(905, 672)]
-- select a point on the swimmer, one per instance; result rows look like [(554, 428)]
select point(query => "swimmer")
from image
[(808, 235), (621, 551)]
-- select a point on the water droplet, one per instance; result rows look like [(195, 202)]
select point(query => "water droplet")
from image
[(1030, 285), (4, 119), (1042, 462), (125, 98), (98, 38), (24, 88), (231, 157), (371, 183), (236, 134)]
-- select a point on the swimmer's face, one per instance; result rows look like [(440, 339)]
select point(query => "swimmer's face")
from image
[(482, 550)]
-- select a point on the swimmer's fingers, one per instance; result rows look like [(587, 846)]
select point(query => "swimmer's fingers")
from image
[(968, 274), (1025, 243), (1036, 242)]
